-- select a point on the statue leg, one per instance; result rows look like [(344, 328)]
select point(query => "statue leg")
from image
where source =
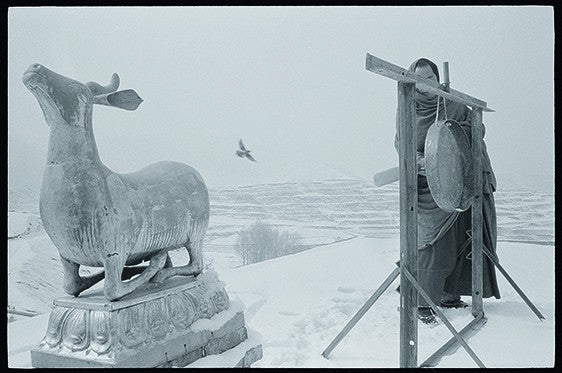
[(194, 267), (131, 271), (73, 283), (168, 263), (114, 288)]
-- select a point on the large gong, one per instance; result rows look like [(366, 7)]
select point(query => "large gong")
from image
[(448, 164)]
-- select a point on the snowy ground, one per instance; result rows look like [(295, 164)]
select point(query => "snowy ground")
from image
[(299, 303), (335, 281)]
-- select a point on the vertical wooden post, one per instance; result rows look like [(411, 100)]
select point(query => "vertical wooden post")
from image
[(446, 79), (408, 225), (477, 262)]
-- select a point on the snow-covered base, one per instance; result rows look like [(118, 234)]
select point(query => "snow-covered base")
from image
[(25, 335), (147, 328), (241, 356)]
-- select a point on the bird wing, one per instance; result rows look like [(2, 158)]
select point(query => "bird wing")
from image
[(241, 144), (239, 153), (250, 158)]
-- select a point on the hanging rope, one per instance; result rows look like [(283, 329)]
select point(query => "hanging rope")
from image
[(444, 108)]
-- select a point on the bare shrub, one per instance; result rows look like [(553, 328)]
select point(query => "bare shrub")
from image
[(261, 241)]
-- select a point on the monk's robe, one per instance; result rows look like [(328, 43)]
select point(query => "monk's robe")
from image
[(444, 254)]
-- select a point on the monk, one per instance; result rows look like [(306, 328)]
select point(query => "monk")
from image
[(444, 238)]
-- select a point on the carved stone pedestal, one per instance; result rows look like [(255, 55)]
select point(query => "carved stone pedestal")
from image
[(170, 324)]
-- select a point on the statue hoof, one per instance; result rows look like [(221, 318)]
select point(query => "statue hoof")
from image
[(73, 289)]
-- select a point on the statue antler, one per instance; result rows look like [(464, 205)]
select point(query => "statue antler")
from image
[(98, 89)]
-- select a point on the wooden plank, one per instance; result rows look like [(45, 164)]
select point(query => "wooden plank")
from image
[(408, 224), (439, 313), (27, 313), (395, 72), (453, 344), (386, 177), (477, 274), (376, 295)]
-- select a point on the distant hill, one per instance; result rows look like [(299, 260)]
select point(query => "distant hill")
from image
[(352, 206), (357, 207)]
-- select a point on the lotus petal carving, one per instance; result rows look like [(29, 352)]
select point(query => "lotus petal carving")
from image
[(100, 329), (156, 317), (54, 328), (130, 326), (75, 330), (181, 310)]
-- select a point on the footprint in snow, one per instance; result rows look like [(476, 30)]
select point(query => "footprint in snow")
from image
[(346, 290), (288, 313)]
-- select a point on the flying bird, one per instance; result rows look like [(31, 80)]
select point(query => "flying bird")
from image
[(243, 152)]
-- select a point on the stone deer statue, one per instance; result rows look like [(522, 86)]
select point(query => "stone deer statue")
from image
[(99, 218)]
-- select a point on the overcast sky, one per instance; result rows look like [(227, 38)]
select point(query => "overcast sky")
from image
[(290, 81)]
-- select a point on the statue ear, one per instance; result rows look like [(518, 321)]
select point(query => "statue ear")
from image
[(126, 99)]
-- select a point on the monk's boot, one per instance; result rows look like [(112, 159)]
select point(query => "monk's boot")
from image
[(454, 304), (427, 316), (452, 301)]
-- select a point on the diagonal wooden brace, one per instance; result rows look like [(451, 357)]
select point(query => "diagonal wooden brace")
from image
[(513, 284), (511, 281), (453, 344), (442, 317), (376, 295)]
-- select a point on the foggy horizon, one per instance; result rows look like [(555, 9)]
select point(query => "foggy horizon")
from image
[(290, 81)]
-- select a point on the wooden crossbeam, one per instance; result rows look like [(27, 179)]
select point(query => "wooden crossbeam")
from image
[(395, 72)]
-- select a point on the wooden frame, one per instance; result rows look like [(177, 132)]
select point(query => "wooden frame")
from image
[(409, 286)]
